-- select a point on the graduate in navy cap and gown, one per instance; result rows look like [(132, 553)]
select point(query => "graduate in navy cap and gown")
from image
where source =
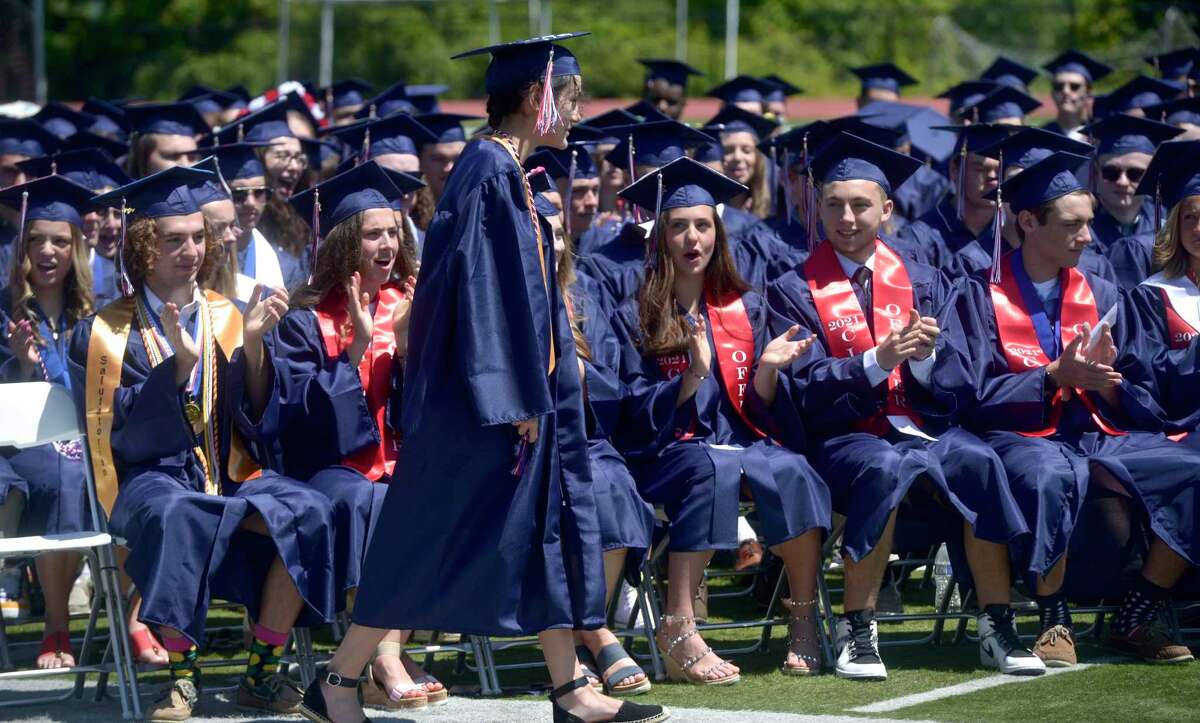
[(775, 101), (198, 517), (439, 153), (20, 140), (345, 98), (494, 490), (1165, 308), (881, 82), (243, 173), (1072, 75), (1135, 95), (666, 85), (1051, 399), (578, 183), (96, 171), (48, 290), (879, 429), (745, 92), (1175, 65), (1124, 147), (1007, 71), (163, 135), (696, 358)]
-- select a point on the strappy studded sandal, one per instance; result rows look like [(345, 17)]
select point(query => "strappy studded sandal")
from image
[(682, 671), (802, 631)]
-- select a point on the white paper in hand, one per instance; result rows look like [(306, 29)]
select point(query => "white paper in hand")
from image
[(1109, 319)]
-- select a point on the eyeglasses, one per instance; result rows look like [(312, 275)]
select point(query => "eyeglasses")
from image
[(1071, 85), (1112, 174), (284, 158), (240, 195)]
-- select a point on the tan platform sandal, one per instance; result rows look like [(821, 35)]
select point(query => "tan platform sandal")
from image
[(802, 630), (682, 671), (405, 696)]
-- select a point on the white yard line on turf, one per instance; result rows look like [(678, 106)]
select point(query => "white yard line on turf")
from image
[(971, 686)]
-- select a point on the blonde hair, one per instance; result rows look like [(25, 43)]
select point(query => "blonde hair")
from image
[(77, 289), (1169, 255)]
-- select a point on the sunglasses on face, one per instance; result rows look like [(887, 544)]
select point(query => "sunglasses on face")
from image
[(1112, 174), (1061, 85), (241, 194)]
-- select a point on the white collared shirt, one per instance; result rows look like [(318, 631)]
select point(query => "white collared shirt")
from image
[(186, 315)]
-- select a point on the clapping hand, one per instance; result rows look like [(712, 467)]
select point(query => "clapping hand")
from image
[(781, 351), (23, 343), (187, 352), (263, 312)]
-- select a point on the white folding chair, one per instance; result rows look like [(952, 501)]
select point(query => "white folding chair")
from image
[(37, 413)]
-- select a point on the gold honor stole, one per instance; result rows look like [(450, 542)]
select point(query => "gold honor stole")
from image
[(1019, 338), (845, 328), (374, 371), (105, 360)]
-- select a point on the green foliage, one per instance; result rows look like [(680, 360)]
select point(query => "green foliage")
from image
[(156, 48)]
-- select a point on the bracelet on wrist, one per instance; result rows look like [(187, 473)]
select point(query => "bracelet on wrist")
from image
[(699, 377)]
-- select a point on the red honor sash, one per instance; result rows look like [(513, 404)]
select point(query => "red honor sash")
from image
[(845, 327), (1020, 342), (374, 371), (734, 349), (1179, 332)]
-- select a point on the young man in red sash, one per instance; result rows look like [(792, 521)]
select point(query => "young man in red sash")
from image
[(152, 374), (695, 360), (1052, 401), (1166, 306), (877, 321)]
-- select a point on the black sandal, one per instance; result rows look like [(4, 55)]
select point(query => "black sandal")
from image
[(312, 705), (629, 712)]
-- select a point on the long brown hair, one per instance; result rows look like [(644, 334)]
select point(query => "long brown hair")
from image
[(224, 277), (566, 283), (1169, 255), (143, 144), (338, 257), (77, 289), (141, 251), (281, 224), (760, 187), (663, 329)]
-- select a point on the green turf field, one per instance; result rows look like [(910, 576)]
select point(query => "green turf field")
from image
[(1112, 689)]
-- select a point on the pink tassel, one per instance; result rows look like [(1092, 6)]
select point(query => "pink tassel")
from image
[(522, 458), (316, 230), (547, 117), (123, 281), (652, 257), (570, 192)]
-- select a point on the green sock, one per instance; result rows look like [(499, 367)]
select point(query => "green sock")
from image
[(264, 661), (184, 664)]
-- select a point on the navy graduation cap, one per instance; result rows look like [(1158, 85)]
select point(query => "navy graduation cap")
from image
[(212, 189), (1120, 134), (263, 125), (424, 96), (243, 96), (812, 137), (391, 101), (1074, 61), (1180, 110), (237, 161), (62, 120), (645, 110), (395, 134), (1052, 177), (336, 199), (1138, 92), (168, 119), (109, 119), (53, 198), (615, 117), (346, 93), (545, 206), (557, 162), (166, 193), (743, 89), (524, 61), (1173, 174), (1003, 102), (654, 143), (208, 100), (682, 183), (1007, 71), (978, 136), (445, 127), (967, 93), (733, 119), (1030, 145), (23, 137), (883, 76), (917, 125), (1176, 63), (847, 158), (405, 183), (674, 72), (89, 167), (782, 90), (88, 139)]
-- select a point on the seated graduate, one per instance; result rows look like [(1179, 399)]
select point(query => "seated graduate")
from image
[(164, 136), (740, 132), (1124, 146), (49, 290), (1072, 74), (626, 520), (577, 182), (695, 354), (220, 218), (255, 261), (866, 387), (338, 364), (151, 374), (1052, 401), (96, 171), (1164, 310)]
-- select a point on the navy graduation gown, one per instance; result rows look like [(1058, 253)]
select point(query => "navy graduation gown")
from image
[(1132, 259), (185, 546), (626, 520), (692, 460), (53, 481), (317, 418), (1049, 476), (1170, 376), (1106, 230), (493, 553), (870, 475), (920, 194)]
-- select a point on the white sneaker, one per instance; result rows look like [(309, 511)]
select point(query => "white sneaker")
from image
[(857, 644), (999, 646)]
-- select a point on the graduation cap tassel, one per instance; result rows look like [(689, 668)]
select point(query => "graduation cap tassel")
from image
[(1157, 209), (998, 228), (570, 191), (316, 228), (547, 117), (810, 200), (123, 281), (241, 132), (637, 212), (365, 155), (960, 187), (19, 247), (788, 201), (652, 257)]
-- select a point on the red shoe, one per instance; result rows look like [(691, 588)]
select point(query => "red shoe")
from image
[(56, 651), (146, 648)]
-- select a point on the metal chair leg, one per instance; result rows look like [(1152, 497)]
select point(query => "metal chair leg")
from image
[(302, 640), (127, 681)]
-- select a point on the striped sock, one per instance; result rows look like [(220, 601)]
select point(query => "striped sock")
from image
[(1052, 610)]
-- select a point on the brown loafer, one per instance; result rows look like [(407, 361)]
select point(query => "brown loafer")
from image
[(275, 694), (1150, 644), (1056, 647), (176, 703), (749, 554)]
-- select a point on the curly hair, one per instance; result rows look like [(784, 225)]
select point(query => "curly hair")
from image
[(338, 257), (77, 290), (141, 251)]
